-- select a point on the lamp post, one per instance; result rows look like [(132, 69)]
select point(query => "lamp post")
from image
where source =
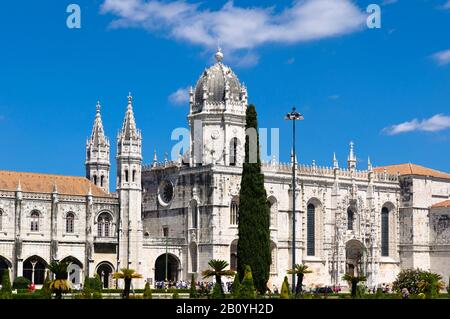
[(293, 116), (166, 234)]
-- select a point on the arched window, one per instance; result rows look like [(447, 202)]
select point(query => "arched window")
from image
[(1, 219), (102, 180), (104, 225), (233, 151), (272, 203), (310, 230), (126, 175), (350, 219), (385, 232), (194, 214), (34, 226), (134, 175), (95, 179), (70, 217), (234, 212)]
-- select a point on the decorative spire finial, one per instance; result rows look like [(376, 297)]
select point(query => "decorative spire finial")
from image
[(335, 161), (219, 55), (130, 98), (369, 164), (98, 106)]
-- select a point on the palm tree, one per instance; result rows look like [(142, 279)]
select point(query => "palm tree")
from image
[(59, 284), (300, 270), (353, 281), (127, 275), (218, 270)]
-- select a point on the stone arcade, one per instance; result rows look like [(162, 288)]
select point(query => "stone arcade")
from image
[(377, 220)]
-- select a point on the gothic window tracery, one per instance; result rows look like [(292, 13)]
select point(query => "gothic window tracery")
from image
[(70, 217), (385, 231), (310, 231), (34, 225), (104, 225), (234, 212)]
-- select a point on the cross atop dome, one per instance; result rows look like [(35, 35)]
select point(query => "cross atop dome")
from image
[(219, 55)]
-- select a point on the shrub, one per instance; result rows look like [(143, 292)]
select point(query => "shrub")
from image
[(46, 291), (448, 287), (285, 291), (97, 295), (247, 290), (175, 295), (21, 283), (5, 292), (217, 292), (147, 291), (236, 286), (418, 281)]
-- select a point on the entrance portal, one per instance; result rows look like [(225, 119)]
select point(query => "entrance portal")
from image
[(173, 265), (355, 258)]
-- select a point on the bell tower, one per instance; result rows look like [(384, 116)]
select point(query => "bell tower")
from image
[(97, 154), (217, 117), (129, 189)]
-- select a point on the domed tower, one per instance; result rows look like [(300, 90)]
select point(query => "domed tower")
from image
[(217, 117)]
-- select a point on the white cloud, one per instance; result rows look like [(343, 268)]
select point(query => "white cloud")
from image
[(180, 96), (238, 28), (333, 97), (442, 57), (290, 61), (435, 123), (446, 5), (388, 2)]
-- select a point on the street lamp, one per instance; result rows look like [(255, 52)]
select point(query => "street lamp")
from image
[(166, 234), (293, 116)]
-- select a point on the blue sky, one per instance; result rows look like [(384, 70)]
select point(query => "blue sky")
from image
[(386, 89)]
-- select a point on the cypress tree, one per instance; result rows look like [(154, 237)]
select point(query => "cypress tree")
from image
[(285, 291), (193, 291), (147, 291), (236, 286), (247, 288), (253, 247), (6, 290)]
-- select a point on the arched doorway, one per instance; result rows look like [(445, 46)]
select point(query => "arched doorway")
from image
[(173, 265), (4, 265), (34, 269), (355, 258), (74, 271), (105, 271)]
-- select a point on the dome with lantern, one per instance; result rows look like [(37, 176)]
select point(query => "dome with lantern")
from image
[(216, 85)]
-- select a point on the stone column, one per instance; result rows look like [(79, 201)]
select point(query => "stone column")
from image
[(17, 250)]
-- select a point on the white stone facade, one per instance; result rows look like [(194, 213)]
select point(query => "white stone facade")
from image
[(375, 221)]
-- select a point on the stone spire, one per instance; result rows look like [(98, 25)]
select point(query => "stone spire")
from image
[(97, 154), (335, 161), (98, 137), (351, 158), (369, 165), (129, 124), (155, 159)]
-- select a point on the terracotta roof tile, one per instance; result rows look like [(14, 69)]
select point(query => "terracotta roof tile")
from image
[(44, 183), (445, 203), (412, 169)]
